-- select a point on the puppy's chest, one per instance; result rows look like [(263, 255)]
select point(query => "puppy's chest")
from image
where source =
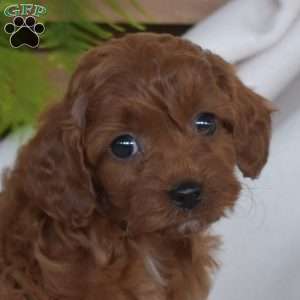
[(150, 277), (156, 268)]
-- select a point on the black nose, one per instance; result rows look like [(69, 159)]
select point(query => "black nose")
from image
[(186, 195)]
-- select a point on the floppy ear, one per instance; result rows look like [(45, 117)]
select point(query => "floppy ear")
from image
[(251, 122), (252, 130), (52, 165)]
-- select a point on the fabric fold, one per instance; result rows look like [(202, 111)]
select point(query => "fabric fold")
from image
[(258, 36)]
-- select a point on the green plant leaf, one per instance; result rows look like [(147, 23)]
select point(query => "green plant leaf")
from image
[(114, 5), (24, 82)]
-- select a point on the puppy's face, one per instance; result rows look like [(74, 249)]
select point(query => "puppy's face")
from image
[(164, 156), (165, 165), (165, 123)]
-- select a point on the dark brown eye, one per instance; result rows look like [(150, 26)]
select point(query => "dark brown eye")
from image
[(206, 123), (124, 146)]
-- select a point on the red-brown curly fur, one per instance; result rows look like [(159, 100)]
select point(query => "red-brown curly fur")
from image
[(77, 223)]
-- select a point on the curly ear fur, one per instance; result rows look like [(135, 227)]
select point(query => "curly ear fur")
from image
[(50, 200), (55, 175), (251, 118)]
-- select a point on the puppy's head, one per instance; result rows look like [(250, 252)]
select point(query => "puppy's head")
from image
[(149, 135)]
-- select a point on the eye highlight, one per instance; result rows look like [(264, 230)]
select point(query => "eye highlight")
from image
[(206, 123), (124, 146)]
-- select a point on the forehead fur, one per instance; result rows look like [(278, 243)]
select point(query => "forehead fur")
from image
[(148, 74), (138, 60)]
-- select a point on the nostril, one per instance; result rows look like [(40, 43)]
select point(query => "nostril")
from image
[(186, 195)]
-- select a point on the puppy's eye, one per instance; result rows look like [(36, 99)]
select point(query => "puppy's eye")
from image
[(206, 123), (124, 146)]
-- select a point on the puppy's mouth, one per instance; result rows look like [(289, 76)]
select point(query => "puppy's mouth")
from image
[(190, 226)]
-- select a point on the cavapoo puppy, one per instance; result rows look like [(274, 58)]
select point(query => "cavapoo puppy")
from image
[(113, 197)]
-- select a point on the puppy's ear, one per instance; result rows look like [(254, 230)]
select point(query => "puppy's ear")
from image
[(55, 175), (251, 122), (252, 129)]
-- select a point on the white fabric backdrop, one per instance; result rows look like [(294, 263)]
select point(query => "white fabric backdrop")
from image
[(261, 252), (261, 36)]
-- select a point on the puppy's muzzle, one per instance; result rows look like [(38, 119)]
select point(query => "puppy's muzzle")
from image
[(186, 195)]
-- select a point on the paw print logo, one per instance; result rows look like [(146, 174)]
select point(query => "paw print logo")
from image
[(24, 32)]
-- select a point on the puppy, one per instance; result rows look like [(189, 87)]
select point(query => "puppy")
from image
[(113, 197)]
